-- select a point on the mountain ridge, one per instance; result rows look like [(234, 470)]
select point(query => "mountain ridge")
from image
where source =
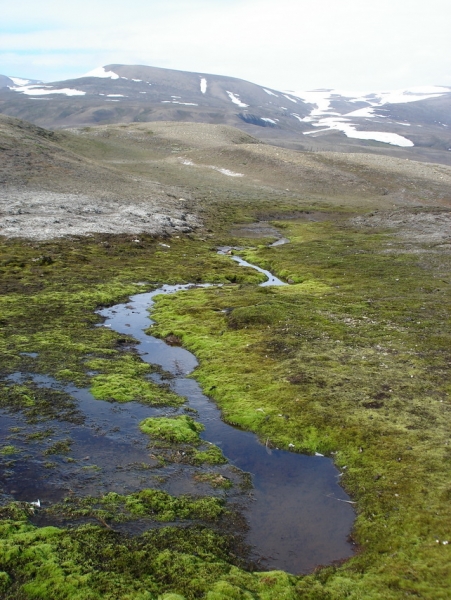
[(414, 122)]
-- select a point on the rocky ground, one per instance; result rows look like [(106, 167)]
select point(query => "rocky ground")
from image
[(39, 214), (426, 227)]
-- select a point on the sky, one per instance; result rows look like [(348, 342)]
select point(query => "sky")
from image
[(282, 44)]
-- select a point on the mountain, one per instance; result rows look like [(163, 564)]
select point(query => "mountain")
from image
[(406, 123), (16, 82), (119, 93), (6, 82)]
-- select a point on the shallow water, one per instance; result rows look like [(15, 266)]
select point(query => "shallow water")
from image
[(270, 278), (295, 518)]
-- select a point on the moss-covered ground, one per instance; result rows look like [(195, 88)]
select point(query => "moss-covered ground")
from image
[(351, 360)]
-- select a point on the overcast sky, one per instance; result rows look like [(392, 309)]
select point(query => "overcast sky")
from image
[(283, 44)]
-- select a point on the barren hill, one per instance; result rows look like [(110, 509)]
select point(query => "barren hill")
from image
[(158, 177)]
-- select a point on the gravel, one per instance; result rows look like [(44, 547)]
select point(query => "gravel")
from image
[(44, 215)]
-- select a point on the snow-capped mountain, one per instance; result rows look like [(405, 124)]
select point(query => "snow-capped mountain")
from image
[(336, 111), (415, 120), (15, 82)]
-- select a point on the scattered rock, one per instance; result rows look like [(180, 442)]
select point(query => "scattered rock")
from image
[(173, 340)]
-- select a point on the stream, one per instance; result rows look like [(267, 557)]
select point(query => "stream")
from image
[(300, 516), (297, 514)]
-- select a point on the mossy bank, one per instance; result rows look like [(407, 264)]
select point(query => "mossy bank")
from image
[(351, 360)]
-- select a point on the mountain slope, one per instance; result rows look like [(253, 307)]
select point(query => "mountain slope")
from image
[(406, 123), (120, 93)]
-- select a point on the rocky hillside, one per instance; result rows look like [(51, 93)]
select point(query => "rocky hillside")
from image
[(50, 190)]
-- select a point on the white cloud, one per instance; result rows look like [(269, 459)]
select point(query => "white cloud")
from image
[(284, 45)]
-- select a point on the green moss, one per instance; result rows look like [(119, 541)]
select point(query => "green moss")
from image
[(8, 450), (123, 381), (216, 480), (97, 563), (180, 430), (5, 581), (254, 316), (353, 358), (351, 361), (151, 504), (211, 456), (60, 447), (39, 404)]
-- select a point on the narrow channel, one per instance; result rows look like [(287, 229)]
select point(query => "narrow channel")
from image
[(300, 516)]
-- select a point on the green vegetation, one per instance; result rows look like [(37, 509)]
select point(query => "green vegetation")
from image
[(211, 456), (182, 429), (149, 503), (7, 450), (122, 382), (216, 480), (350, 360)]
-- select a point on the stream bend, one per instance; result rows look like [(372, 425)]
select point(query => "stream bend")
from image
[(300, 517)]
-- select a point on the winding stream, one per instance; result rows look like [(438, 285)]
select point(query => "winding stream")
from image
[(297, 513), (299, 517)]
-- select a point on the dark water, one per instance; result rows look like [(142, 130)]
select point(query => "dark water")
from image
[(295, 518)]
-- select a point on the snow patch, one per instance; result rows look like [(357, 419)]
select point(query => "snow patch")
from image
[(324, 117), (227, 172), (19, 81), (137, 80), (270, 93), (341, 124), (380, 136), (302, 119), (100, 72), (403, 96), (235, 99), (177, 102), (319, 97), (203, 85), (291, 99), (115, 96), (35, 90), (268, 120), (368, 111)]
